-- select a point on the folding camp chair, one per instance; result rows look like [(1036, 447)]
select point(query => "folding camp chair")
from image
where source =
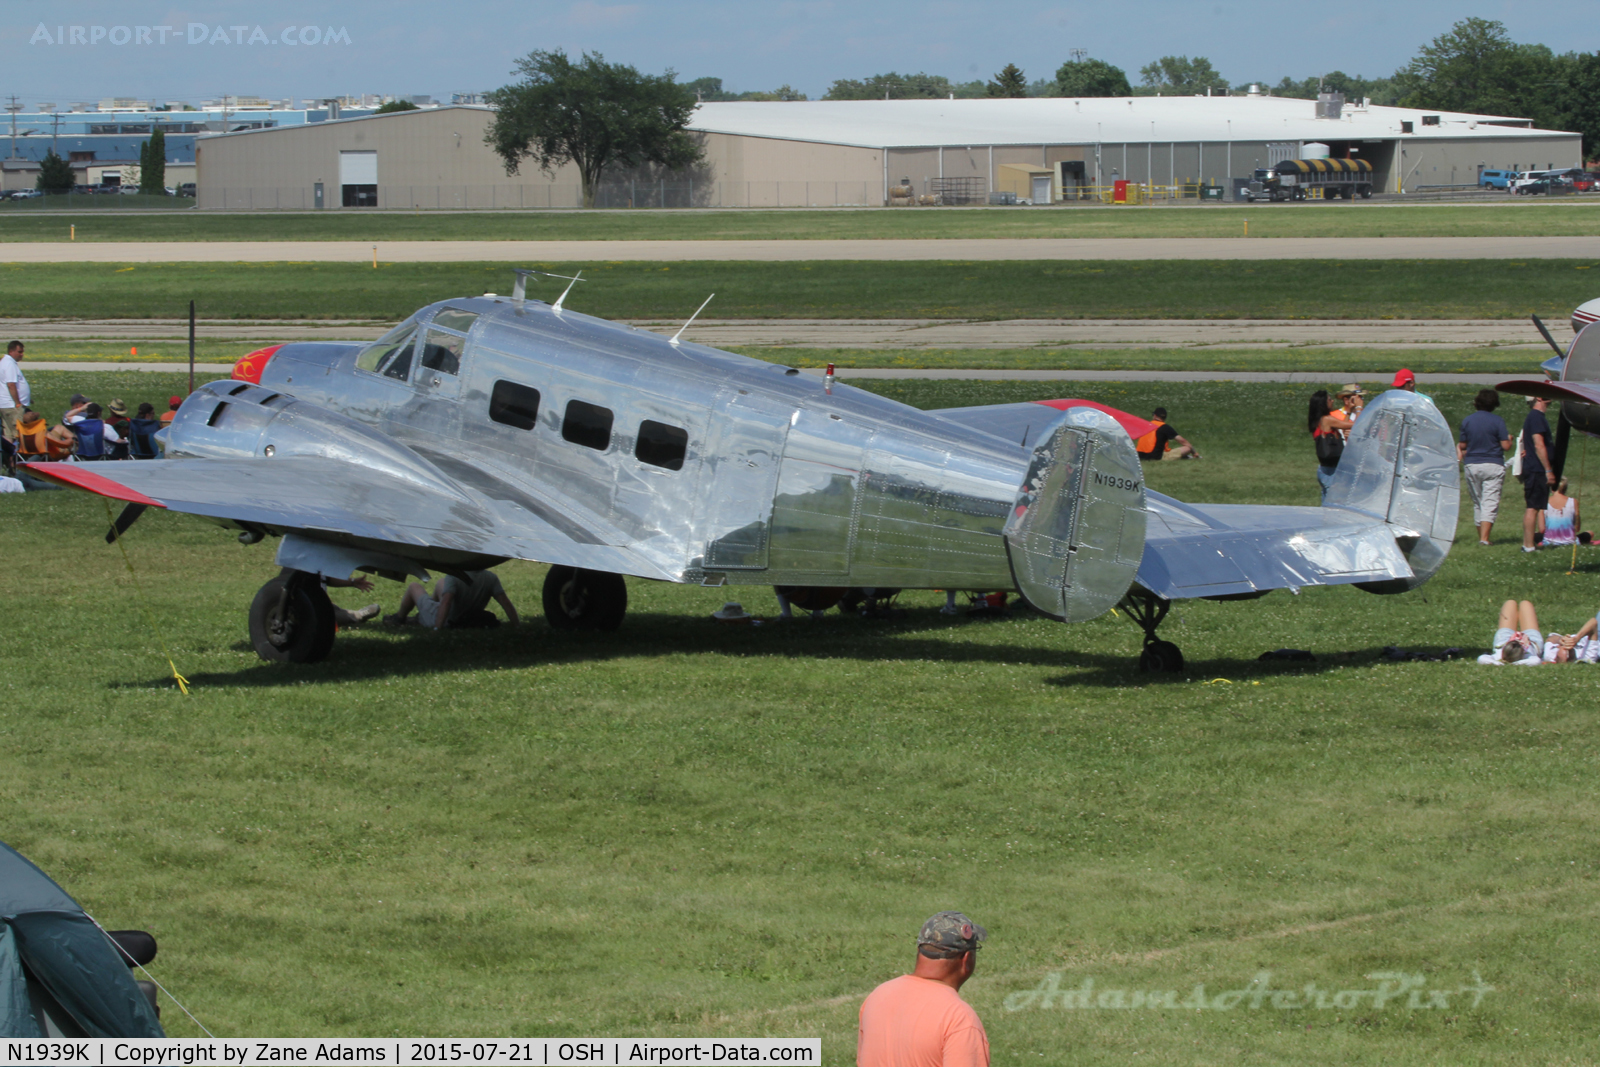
[(91, 438)]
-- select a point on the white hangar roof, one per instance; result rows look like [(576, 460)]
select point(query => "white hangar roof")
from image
[(953, 123)]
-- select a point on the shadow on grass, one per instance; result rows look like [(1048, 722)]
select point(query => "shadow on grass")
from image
[(917, 637)]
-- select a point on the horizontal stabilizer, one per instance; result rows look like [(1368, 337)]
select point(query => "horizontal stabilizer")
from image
[(1583, 392)]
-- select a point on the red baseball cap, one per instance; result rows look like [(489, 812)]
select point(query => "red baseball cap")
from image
[(1403, 377), (175, 401)]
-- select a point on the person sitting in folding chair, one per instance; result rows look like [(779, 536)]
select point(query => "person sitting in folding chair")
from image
[(95, 438), (142, 430)]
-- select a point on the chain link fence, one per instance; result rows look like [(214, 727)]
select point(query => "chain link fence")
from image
[(629, 194)]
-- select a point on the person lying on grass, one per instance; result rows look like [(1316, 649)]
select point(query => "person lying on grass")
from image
[(1519, 641)]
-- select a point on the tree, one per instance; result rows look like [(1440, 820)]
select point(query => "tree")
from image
[(710, 90), (153, 164), (892, 86), (1181, 76), (391, 106), (1008, 83), (1091, 77), (55, 174), (592, 114)]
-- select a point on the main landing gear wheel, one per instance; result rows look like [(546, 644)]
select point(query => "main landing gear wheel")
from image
[(584, 600), (291, 620), (1147, 610)]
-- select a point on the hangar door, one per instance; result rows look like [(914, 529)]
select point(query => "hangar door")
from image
[(358, 178)]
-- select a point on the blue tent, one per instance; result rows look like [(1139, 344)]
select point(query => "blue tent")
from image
[(60, 975)]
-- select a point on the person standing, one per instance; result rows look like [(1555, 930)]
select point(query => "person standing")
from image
[(1352, 398), (1327, 433), (1481, 450), (919, 1019), (14, 393), (1404, 379), (1534, 449)]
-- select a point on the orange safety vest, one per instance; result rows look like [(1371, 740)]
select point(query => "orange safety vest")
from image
[(1148, 441)]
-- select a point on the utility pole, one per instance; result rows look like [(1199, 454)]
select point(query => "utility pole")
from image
[(55, 130), (13, 107)]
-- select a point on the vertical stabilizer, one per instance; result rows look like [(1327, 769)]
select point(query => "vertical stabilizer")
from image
[(1076, 532), (1400, 466)]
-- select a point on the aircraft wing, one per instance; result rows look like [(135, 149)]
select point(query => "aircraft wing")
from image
[(1205, 550), (330, 500), (1584, 392), (1024, 423)]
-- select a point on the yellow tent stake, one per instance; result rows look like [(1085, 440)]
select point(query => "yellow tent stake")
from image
[(183, 683), (1577, 504)]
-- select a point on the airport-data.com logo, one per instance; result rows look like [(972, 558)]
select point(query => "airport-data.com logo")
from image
[(193, 33)]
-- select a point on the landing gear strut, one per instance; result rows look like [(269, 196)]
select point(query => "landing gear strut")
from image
[(291, 619), (1147, 610), (584, 600)]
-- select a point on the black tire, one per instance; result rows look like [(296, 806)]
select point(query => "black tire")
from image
[(1366, 192), (584, 600), (1161, 656), (304, 632)]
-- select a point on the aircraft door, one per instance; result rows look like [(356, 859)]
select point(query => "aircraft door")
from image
[(739, 478)]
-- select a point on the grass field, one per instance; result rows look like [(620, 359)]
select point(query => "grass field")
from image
[(822, 289), (1499, 218), (689, 829)]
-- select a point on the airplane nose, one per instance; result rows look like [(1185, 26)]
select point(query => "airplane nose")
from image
[(249, 367)]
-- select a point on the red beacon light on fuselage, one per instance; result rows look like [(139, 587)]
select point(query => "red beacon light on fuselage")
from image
[(249, 367)]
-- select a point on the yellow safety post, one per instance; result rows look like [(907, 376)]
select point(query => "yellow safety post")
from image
[(72, 232), (374, 257), (183, 683), (1247, 227)]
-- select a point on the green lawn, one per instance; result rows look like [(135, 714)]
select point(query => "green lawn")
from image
[(685, 828), (1508, 217), (1297, 358), (821, 289)]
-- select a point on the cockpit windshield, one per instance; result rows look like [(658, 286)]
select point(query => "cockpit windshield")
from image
[(391, 354)]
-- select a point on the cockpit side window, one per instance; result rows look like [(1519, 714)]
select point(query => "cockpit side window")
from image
[(441, 350), (454, 319)]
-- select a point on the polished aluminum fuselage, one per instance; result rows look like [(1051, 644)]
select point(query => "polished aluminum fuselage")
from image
[(786, 479)]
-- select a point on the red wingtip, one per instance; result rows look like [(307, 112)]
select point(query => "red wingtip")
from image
[(250, 366), (1135, 426), (78, 476)]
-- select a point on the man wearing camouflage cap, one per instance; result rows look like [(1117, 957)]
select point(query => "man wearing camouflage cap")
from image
[(919, 1019)]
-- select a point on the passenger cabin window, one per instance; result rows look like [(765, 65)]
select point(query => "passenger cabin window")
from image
[(515, 405), (661, 445), (390, 356), (587, 425), (441, 350), (452, 319)]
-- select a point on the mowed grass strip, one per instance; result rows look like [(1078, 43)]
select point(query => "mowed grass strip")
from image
[(1297, 359), (821, 289), (1496, 217), (686, 828), (1287, 359)]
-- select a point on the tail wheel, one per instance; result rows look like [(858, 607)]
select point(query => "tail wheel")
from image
[(1160, 656), (584, 600), (291, 620)]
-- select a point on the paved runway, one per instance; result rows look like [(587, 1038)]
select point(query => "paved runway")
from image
[(896, 333), (1269, 248)]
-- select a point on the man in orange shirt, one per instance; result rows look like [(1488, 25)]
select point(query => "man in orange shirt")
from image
[(919, 1019)]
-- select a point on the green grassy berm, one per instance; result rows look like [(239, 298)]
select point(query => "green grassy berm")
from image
[(1292, 289), (686, 828), (1499, 217)]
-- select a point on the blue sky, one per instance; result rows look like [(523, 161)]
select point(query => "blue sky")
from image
[(438, 48)]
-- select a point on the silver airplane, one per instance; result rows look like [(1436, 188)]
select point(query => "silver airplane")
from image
[(501, 427), (1571, 376)]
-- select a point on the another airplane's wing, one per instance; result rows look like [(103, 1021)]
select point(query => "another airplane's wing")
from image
[(1024, 423), (1584, 392), (1201, 550)]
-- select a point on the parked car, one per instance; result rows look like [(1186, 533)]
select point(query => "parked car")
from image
[(26, 194), (186, 189), (1496, 179)]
